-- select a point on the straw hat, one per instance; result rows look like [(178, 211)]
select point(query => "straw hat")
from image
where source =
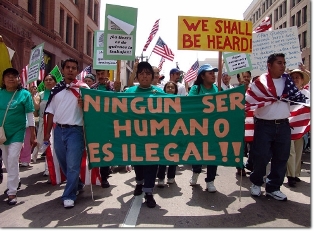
[(306, 77)]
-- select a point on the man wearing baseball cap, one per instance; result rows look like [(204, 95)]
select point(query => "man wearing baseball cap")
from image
[(175, 77)]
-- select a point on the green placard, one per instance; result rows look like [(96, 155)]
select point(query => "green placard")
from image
[(120, 32), (56, 72), (34, 63), (99, 63), (135, 129), (237, 62)]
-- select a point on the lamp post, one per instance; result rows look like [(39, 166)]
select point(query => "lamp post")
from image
[(142, 57)]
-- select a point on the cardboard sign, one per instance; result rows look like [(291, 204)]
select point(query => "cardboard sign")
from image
[(152, 128), (284, 41), (214, 34), (99, 63), (34, 63), (237, 62), (120, 33)]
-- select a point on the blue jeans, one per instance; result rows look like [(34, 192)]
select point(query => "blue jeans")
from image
[(146, 174), (162, 171), (271, 142), (69, 148), (211, 171)]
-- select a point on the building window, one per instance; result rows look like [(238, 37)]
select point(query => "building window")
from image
[(89, 8), (96, 6), (263, 8), (304, 36), (284, 7), (42, 12), (284, 25), (276, 15), (271, 19), (299, 36), (270, 2), (259, 12), (292, 4), (88, 43), (266, 4), (75, 2), (68, 31), (304, 14), (299, 18), (280, 11), (280, 26), (298, 1), (30, 6), (61, 25), (75, 35), (293, 20)]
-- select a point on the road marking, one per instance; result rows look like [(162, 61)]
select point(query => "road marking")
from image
[(132, 215)]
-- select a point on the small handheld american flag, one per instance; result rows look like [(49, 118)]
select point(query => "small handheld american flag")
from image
[(163, 50), (192, 72), (152, 34)]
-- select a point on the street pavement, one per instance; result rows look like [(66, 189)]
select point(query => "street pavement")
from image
[(179, 205)]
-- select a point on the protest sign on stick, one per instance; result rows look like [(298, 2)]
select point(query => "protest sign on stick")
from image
[(34, 63)]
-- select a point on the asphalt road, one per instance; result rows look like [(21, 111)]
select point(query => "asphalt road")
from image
[(178, 206)]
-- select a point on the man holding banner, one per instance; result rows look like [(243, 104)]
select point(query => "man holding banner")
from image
[(270, 95)]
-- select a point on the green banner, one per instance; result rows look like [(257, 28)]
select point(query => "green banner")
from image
[(132, 128), (55, 72)]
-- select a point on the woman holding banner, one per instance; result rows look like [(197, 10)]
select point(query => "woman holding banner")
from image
[(204, 85)]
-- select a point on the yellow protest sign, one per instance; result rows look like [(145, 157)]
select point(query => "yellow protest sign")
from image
[(214, 34)]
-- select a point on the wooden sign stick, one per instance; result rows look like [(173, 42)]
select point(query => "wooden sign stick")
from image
[(219, 70)]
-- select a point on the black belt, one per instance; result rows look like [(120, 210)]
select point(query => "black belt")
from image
[(67, 125), (280, 121)]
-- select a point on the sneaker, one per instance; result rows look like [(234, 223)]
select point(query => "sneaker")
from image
[(255, 190), (291, 181), (24, 164), (138, 190), (170, 180), (150, 201), (161, 183), (105, 183), (278, 195), (68, 203), (297, 179), (194, 178), (210, 187), (46, 173), (12, 201)]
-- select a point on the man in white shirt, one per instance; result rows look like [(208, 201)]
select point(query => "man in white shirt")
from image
[(175, 77), (64, 108), (272, 134), (225, 81)]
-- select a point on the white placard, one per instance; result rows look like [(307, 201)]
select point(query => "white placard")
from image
[(284, 41), (119, 44)]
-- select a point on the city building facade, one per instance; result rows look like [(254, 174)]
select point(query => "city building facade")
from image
[(66, 27), (283, 14)]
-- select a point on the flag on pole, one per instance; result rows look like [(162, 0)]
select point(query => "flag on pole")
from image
[(264, 26), (192, 72), (42, 70), (163, 50), (152, 34), (87, 70), (162, 60)]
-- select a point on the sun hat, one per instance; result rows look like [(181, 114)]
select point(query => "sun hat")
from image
[(306, 77)]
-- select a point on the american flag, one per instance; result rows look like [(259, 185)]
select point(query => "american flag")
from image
[(162, 60), (264, 26), (192, 72), (87, 70), (41, 74), (152, 34), (307, 86), (262, 92), (163, 50)]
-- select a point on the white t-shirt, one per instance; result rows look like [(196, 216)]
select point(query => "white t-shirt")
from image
[(64, 106), (224, 86), (276, 110), (181, 89)]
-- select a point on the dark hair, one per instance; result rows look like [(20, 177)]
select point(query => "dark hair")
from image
[(3, 86), (69, 60), (272, 58), (238, 76), (52, 76), (102, 70), (175, 87), (248, 73), (144, 66), (199, 80)]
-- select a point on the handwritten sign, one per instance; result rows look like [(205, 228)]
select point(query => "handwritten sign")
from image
[(156, 128), (120, 33), (99, 63), (237, 62), (214, 34), (34, 63), (284, 41)]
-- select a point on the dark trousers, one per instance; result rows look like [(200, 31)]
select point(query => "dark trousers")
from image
[(104, 172), (162, 171), (271, 142), (211, 171), (146, 173)]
